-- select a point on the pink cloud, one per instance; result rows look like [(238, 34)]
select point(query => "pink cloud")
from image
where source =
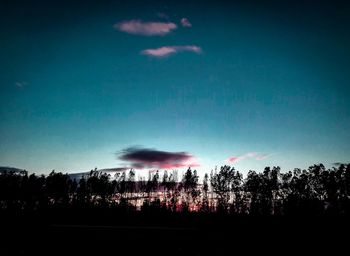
[(186, 23), (170, 50), (159, 52), (235, 159), (191, 162), (251, 155), (137, 27)]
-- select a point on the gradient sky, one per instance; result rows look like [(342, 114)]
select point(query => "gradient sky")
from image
[(261, 83)]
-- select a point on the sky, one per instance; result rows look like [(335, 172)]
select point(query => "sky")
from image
[(171, 84)]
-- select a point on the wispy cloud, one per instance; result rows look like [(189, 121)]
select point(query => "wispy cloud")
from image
[(251, 155), (138, 27), (141, 158), (163, 15), (186, 23), (170, 50), (21, 84), (262, 157), (235, 159)]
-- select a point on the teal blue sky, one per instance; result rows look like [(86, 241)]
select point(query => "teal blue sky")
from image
[(270, 77)]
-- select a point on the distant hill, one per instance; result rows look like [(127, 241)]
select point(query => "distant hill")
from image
[(76, 176), (80, 175)]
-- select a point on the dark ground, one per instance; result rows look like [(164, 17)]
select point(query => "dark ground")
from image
[(110, 233)]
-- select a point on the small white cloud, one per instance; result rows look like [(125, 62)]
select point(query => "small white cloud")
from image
[(159, 52), (137, 27), (170, 50), (262, 157), (254, 155), (186, 23)]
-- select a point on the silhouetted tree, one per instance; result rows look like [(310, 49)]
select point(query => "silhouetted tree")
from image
[(221, 183), (315, 191), (239, 201), (190, 189), (205, 200), (57, 188)]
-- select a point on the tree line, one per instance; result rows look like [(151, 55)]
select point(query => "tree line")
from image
[(314, 191)]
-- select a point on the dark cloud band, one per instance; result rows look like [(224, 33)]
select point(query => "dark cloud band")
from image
[(151, 158)]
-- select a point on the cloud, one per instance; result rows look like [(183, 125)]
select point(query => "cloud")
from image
[(162, 15), (141, 158), (235, 159), (262, 157), (186, 23), (21, 84), (137, 27), (166, 51), (159, 52), (254, 155)]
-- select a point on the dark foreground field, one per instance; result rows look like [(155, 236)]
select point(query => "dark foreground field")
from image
[(108, 233)]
